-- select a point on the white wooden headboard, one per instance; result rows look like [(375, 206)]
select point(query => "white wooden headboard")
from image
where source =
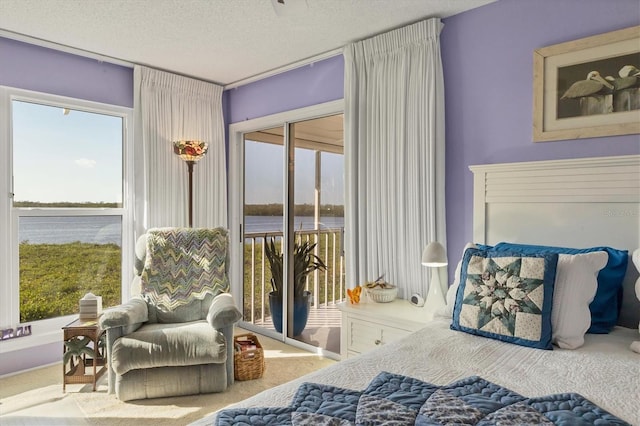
[(570, 203)]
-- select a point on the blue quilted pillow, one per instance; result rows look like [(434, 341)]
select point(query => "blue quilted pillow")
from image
[(605, 307), (506, 296)]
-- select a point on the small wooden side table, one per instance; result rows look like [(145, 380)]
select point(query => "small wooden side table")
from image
[(83, 347)]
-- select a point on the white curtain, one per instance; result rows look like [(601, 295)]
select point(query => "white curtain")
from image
[(170, 107), (394, 155)]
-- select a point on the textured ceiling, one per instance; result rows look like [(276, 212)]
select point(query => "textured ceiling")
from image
[(223, 41)]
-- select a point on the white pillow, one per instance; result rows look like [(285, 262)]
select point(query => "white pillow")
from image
[(447, 311), (575, 288)]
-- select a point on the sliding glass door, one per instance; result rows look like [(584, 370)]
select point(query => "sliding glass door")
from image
[(293, 227)]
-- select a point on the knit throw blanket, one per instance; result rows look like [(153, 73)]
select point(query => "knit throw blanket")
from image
[(183, 264)]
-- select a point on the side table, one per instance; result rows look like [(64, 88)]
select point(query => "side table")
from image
[(83, 347), (368, 325)]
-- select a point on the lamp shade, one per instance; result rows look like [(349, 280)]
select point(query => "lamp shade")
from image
[(434, 255), (190, 150)]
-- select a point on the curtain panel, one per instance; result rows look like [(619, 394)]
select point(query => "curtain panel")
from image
[(394, 156), (170, 107)]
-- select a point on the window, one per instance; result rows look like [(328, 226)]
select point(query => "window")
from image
[(69, 208)]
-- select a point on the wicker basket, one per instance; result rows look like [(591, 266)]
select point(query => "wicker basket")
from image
[(382, 295), (248, 364)]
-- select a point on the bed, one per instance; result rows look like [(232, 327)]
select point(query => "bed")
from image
[(569, 203)]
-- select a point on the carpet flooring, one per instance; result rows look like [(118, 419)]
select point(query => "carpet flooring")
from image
[(36, 398)]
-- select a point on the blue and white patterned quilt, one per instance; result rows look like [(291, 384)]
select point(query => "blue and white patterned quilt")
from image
[(393, 399)]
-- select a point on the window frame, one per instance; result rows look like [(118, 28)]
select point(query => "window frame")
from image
[(48, 330)]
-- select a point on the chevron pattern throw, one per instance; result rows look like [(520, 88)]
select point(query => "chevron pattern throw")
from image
[(183, 264)]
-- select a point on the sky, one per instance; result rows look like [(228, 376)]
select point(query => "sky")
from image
[(74, 158), (78, 158), (264, 175)]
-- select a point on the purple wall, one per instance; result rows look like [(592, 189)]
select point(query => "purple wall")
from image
[(30, 67), (25, 359), (313, 84), (487, 56)]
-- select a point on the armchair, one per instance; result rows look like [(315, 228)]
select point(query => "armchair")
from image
[(176, 336)]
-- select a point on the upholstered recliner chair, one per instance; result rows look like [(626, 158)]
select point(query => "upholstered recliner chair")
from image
[(176, 336)]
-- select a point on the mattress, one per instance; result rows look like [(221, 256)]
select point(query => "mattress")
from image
[(604, 370)]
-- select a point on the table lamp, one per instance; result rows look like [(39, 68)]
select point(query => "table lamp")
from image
[(434, 256)]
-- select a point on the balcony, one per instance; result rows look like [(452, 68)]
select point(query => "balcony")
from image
[(327, 287)]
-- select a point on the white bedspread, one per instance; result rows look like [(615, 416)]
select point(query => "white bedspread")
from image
[(604, 370)]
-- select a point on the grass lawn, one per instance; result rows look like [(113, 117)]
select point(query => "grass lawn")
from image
[(54, 277)]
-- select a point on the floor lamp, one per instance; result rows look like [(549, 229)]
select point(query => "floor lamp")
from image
[(191, 152), (434, 256)]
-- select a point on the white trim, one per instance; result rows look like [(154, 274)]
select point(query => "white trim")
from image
[(63, 48), (5, 207), (50, 331), (559, 164), (300, 114)]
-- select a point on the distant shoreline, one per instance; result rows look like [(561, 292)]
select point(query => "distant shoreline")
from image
[(271, 209), (326, 210), (108, 229)]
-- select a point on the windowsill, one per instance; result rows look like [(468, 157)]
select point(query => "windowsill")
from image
[(42, 335), (27, 342)]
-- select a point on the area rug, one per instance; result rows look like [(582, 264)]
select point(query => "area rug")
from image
[(36, 397)]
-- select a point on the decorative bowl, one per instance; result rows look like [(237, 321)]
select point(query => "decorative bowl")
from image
[(382, 295)]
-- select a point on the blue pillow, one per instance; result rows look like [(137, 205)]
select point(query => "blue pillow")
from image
[(607, 302), (506, 296)]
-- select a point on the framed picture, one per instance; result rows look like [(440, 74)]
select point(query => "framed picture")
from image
[(587, 88)]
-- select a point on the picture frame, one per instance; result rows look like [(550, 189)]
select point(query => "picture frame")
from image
[(586, 111)]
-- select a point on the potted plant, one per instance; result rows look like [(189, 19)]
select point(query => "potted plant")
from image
[(304, 262)]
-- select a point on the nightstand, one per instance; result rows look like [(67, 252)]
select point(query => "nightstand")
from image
[(368, 325)]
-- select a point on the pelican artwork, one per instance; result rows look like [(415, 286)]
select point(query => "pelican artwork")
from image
[(629, 71), (626, 95), (629, 77), (592, 85)]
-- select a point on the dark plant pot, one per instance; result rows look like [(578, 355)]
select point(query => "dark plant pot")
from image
[(301, 307)]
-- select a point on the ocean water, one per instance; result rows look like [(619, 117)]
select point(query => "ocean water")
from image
[(61, 230), (108, 229), (255, 224)]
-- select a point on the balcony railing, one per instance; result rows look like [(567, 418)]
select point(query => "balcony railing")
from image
[(327, 287)]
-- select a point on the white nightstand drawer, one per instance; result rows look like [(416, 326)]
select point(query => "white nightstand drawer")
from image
[(370, 325), (363, 336), (392, 334)]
